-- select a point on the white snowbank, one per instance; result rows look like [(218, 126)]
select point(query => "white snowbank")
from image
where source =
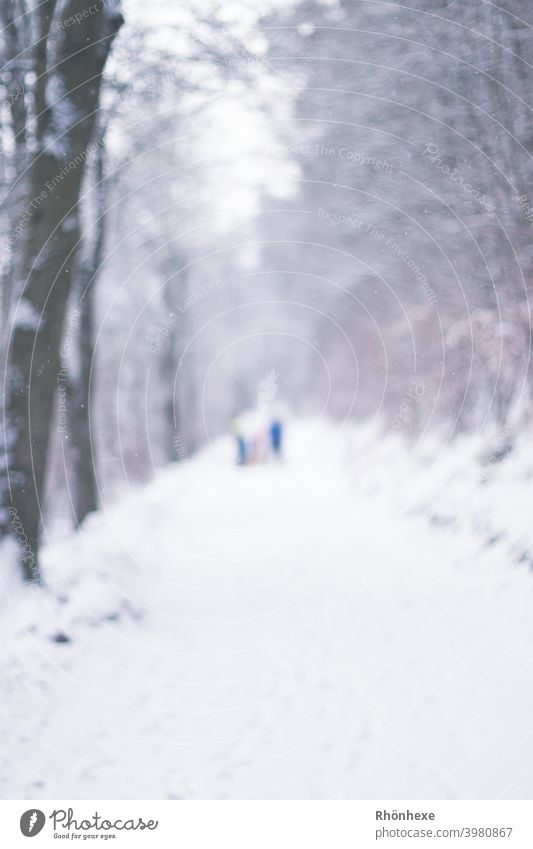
[(456, 484), (339, 625)]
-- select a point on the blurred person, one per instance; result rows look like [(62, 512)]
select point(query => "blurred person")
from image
[(242, 448), (276, 436)]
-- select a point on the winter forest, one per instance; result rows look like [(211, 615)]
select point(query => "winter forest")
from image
[(265, 468)]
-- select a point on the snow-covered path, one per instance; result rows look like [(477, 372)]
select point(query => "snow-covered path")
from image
[(273, 632)]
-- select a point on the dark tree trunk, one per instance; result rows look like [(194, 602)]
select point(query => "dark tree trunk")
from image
[(80, 383), (79, 394), (50, 240), (15, 65)]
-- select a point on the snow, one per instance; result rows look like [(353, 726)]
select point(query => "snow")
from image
[(335, 626), (63, 114), (70, 223), (26, 316)]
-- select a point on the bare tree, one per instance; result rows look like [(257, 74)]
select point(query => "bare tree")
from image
[(70, 66)]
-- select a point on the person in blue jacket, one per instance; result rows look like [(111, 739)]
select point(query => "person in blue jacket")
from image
[(276, 437)]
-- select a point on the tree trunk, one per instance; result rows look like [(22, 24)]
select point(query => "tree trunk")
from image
[(50, 240), (79, 395), (15, 64), (173, 291), (80, 384)]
